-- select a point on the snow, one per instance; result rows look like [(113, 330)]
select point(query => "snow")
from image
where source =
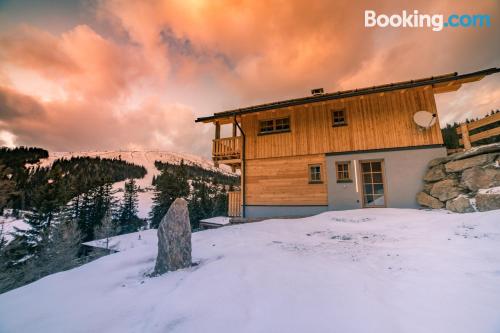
[(219, 220), (372, 270), (8, 225), (493, 190), (127, 241), (146, 159)]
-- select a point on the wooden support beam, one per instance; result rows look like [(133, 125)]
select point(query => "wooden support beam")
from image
[(465, 136), (234, 129), (217, 130)]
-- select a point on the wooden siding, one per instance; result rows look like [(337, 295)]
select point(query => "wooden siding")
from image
[(285, 181), (375, 121), (234, 203)]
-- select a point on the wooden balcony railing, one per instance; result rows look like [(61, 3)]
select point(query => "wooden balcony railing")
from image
[(234, 204), (464, 129), (227, 148)]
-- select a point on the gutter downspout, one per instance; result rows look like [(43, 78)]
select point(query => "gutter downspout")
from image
[(243, 169)]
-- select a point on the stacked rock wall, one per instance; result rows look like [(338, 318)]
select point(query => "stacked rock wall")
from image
[(464, 182)]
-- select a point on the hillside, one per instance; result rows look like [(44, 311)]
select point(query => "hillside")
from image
[(146, 159), (373, 270)]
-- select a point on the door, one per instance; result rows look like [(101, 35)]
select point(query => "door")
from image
[(372, 176)]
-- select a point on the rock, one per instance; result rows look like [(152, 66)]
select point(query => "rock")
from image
[(477, 177), (491, 148), (437, 161), (460, 204), (426, 200), (459, 165), (446, 189), (427, 187), (435, 173), (174, 239), (488, 200)]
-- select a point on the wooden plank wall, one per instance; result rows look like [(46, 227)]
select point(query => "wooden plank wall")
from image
[(374, 121), (285, 181), (234, 203)]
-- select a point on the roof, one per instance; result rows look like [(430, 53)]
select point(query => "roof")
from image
[(438, 82)]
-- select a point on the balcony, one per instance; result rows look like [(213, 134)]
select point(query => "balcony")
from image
[(227, 151)]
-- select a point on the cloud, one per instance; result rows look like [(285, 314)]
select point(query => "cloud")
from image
[(152, 126), (142, 80)]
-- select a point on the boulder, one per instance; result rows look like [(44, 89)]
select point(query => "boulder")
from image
[(488, 199), (174, 239), (435, 173), (485, 149), (446, 189), (426, 200), (459, 165), (477, 177), (427, 187), (461, 204), (437, 161)]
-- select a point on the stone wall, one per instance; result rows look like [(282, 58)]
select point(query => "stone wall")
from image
[(464, 182)]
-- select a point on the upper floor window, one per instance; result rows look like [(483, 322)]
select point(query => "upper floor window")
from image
[(315, 173), (274, 125), (339, 117)]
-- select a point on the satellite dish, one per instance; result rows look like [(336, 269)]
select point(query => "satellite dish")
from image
[(424, 119)]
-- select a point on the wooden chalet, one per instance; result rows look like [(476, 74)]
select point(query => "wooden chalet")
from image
[(331, 151)]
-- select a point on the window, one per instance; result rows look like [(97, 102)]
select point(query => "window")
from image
[(343, 172), (274, 125), (339, 118), (315, 174)]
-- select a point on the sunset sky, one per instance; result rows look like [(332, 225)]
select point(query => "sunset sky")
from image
[(108, 75)]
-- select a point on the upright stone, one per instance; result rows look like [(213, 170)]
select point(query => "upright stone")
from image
[(174, 239)]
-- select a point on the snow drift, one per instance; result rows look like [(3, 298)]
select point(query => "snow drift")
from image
[(373, 270)]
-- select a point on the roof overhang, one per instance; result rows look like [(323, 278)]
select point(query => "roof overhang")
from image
[(440, 84)]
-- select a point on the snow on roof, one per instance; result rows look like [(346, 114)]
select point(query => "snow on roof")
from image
[(126, 241), (219, 220)]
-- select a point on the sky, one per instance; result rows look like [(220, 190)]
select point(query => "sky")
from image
[(134, 75)]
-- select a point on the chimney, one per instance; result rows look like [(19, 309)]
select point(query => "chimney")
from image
[(317, 91)]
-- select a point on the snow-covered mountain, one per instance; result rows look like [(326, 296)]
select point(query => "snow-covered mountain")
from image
[(146, 159)]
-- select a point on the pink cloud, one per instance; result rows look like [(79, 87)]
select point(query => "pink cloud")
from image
[(162, 63)]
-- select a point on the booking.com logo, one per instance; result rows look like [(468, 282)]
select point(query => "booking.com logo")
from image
[(417, 20)]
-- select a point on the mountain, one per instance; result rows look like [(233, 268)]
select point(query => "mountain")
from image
[(146, 159)]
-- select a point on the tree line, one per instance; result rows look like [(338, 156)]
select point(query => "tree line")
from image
[(70, 202), (204, 190)]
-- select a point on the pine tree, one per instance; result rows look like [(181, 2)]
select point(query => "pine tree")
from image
[(127, 216), (7, 186), (62, 249), (169, 185), (107, 229)]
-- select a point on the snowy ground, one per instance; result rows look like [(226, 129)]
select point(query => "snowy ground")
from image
[(8, 225), (375, 270)]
